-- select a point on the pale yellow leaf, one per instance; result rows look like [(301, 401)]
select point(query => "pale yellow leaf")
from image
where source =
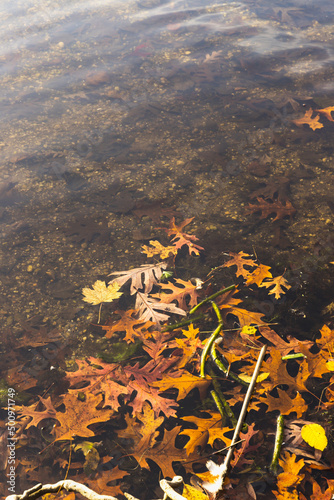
[(101, 293)]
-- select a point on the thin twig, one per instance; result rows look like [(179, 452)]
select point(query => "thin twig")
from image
[(39, 490)]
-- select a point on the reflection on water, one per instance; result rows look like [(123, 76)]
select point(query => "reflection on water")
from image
[(116, 113)]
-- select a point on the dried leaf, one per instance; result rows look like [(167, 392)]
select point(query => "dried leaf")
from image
[(157, 248), (240, 260), (144, 277), (277, 283), (149, 309)]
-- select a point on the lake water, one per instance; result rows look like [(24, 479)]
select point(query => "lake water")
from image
[(117, 115)]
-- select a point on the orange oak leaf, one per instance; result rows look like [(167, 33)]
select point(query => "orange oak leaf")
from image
[(327, 112), (183, 383), (180, 238), (285, 347), (185, 293), (258, 275), (290, 477), (145, 445), (133, 328), (156, 248), (277, 284), (318, 363), (279, 374), (38, 415), (206, 432), (99, 377), (285, 404), (267, 208), (307, 119), (240, 260), (189, 345), (79, 415), (245, 317)]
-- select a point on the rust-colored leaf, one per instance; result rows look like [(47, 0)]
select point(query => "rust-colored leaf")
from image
[(307, 119)]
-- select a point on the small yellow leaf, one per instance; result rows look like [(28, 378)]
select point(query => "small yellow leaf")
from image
[(248, 330), (315, 436), (330, 365), (101, 293), (248, 378), (191, 493)]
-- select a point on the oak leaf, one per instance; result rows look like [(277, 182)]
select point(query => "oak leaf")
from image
[(189, 345), (290, 477), (284, 347), (307, 119), (184, 382), (267, 208), (207, 431), (157, 248), (180, 239), (144, 277), (185, 293), (101, 293), (277, 283), (240, 260), (150, 309), (38, 415), (279, 374), (285, 404), (327, 112), (164, 452), (258, 275), (133, 328)]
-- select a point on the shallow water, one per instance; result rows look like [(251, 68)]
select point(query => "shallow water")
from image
[(109, 108)]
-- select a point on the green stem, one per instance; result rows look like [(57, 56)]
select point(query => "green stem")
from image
[(293, 356), (209, 299), (174, 326), (207, 348), (278, 444), (223, 368), (217, 311)]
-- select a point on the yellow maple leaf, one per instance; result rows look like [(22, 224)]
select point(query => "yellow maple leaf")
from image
[(101, 293), (315, 436), (248, 378)]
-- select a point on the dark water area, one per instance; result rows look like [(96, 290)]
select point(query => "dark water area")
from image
[(116, 116)]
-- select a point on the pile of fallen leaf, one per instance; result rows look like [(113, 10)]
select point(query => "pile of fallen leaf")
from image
[(108, 422)]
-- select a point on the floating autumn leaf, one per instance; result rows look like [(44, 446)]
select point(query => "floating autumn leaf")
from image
[(101, 293), (258, 275), (307, 119), (315, 436), (277, 283), (240, 260), (157, 248), (248, 330), (327, 112)]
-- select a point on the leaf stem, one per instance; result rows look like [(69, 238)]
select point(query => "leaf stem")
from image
[(207, 348), (174, 326), (209, 299), (223, 368), (278, 444)]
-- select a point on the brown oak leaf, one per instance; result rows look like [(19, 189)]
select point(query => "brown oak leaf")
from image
[(267, 208), (240, 260), (277, 283), (285, 404)]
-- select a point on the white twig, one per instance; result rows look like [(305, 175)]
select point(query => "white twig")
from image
[(39, 490)]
